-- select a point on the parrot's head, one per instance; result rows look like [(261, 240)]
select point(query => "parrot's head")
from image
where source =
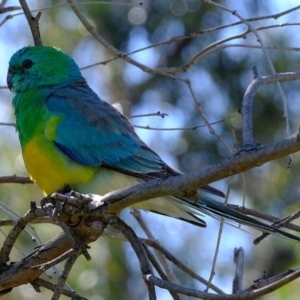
[(36, 67)]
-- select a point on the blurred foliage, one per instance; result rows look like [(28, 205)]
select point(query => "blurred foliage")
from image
[(219, 82)]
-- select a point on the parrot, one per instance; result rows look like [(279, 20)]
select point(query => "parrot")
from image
[(68, 135)]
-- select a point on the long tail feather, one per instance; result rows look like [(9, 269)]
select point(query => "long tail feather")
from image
[(217, 210)]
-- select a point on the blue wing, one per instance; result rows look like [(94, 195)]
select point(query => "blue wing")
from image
[(100, 134)]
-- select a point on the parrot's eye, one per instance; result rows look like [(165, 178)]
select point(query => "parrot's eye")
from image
[(27, 63)]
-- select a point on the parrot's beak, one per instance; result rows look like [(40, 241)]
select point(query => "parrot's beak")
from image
[(9, 77)]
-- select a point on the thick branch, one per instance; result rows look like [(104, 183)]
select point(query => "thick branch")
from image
[(24, 271), (179, 185)]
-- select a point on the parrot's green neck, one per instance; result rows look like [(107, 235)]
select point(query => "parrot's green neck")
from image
[(30, 113)]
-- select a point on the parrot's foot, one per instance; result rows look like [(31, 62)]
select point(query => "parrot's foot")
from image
[(80, 201), (50, 199), (70, 208)]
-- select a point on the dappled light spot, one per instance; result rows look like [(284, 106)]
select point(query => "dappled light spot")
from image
[(137, 15), (88, 279)]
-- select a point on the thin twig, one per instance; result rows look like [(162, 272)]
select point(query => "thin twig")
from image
[(115, 51), (37, 283), (182, 128), (6, 9), (137, 215), (157, 114), (8, 124), (263, 216), (208, 124), (268, 288), (65, 273), (55, 261), (181, 266), (15, 179), (161, 273), (15, 232), (248, 140), (139, 249)]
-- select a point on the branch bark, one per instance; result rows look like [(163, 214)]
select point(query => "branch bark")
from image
[(179, 185)]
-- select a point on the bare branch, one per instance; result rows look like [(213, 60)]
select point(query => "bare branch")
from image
[(7, 124), (6, 9), (139, 249), (33, 23), (235, 164), (37, 283), (137, 215), (25, 270), (237, 285), (291, 275), (67, 269), (222, 221), (158, 114), (115, 51), (15, 179), (252, 89), (161, 272), (181, 266), (263, 216), (15, 232), (182, 128)]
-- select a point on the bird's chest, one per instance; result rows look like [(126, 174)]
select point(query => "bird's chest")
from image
[(50, 168)]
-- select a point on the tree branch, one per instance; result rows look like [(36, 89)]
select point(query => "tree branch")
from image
[(33, 23), (179, 185)]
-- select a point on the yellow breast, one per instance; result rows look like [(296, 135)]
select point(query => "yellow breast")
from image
[(51, 169)]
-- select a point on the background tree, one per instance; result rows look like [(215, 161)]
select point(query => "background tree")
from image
[(175, 33)]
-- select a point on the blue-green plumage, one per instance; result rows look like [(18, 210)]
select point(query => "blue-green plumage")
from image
[(85, 142)]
